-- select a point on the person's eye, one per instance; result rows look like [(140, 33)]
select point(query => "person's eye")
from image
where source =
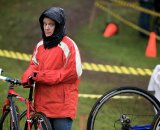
[(52, 24)]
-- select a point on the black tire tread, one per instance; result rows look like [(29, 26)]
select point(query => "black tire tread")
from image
[(45, 119), (99, 103)]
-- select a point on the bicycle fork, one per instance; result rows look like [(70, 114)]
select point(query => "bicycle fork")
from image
[(126, 124)]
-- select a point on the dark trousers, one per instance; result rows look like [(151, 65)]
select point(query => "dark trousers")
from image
[(61, 123)]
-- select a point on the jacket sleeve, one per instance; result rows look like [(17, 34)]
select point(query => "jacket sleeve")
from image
[(69, 73), (29, 71)]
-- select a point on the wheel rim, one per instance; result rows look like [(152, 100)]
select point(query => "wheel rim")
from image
[(133, 105)]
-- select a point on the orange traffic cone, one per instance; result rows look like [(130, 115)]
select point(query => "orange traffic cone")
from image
[(110, 30), (151, 50)]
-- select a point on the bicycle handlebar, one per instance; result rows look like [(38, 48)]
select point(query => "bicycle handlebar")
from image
[(12, 81)]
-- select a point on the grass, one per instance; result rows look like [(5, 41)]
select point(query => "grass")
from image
[(19, 31), (120, 49)]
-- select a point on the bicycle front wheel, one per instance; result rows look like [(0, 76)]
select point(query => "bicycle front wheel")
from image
[(9, 119), (39, 122), (123, 108)]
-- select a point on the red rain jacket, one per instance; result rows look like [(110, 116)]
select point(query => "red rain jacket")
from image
[(58, 72)]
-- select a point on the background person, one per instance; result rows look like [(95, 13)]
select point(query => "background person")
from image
[(154, 82), (57, 64), (156, 20), (144, 20)]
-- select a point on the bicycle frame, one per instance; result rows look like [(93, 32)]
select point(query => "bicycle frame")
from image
[(11, 93), (10, 110), (145, 127)]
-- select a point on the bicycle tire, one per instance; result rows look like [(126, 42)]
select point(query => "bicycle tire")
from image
[(6, 121), (39, 120), (103, 114), (22, 119), (23, 114), (156, 122), (3, 118)]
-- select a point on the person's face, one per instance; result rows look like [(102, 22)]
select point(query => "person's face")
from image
[(49, 26)]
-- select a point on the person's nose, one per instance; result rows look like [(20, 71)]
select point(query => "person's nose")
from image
[(47, 27)]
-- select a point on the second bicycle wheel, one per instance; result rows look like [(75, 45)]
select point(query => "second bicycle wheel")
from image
[(156, 122), (123, 107), (39, 122)]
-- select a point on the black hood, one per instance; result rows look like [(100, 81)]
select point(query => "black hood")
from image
[(56, 14)]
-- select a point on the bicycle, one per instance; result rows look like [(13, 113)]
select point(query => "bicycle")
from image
[(10, 112), (125, 108)]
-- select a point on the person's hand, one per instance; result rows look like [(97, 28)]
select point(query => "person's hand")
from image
[(26, 85), (30, 81)]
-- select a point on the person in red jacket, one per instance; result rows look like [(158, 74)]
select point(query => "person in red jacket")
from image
[(57, 63)]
